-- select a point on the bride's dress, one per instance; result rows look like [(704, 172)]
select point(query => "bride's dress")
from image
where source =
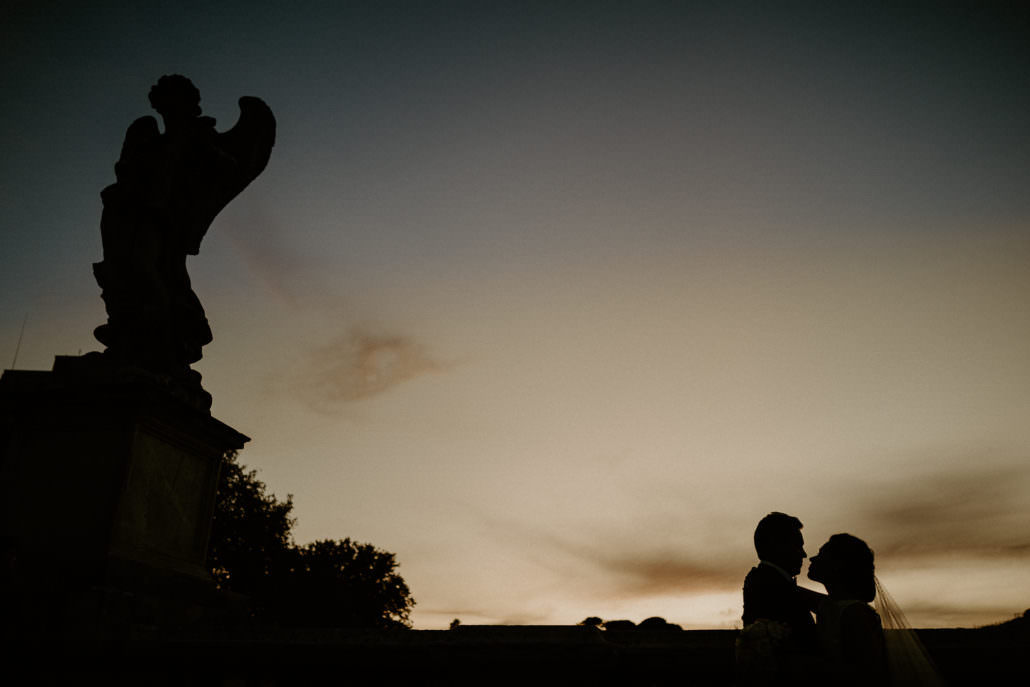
[(852, 641), (849, 628)]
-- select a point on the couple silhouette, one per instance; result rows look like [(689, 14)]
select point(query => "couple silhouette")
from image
[(781, 643)]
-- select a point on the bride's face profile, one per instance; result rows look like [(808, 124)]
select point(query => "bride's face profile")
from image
[(818, 564)]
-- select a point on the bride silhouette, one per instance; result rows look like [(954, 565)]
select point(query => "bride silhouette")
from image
[(850, 632), (855, 646)]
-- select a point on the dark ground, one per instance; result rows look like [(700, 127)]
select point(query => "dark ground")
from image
[(466, 655)]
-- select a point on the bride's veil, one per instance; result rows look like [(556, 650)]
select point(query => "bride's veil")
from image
[(906, 656)]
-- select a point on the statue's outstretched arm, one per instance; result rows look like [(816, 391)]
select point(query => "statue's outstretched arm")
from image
[(139, 139)]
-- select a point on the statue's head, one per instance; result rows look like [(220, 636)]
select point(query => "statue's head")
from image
[(176, 98)]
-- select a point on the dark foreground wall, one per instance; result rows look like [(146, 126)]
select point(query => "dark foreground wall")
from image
[(471, 655), (464, 656)]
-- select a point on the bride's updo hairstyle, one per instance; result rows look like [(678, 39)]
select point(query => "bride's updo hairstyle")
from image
[(850, 568)]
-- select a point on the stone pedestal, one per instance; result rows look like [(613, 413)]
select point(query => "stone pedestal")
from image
[(107, 482)]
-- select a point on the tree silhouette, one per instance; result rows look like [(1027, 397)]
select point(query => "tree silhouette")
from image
[(327, 583), (250, 532), (342, 584)]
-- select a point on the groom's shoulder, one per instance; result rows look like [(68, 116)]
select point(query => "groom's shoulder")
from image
[(758, 583), (764, 596), (762, 575)]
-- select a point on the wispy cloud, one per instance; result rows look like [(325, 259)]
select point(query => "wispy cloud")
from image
[(633, 566), (263, 247), (972, 510), (977, 510), (657, 572), (359, 365)]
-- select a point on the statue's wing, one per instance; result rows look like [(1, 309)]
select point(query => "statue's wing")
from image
[(249, 143), (240, 154)]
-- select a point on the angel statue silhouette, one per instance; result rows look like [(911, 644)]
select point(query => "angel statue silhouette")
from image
[(170, 186)]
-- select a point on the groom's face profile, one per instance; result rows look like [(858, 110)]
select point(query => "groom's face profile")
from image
[(794, 553), (790, 552), (778, 540)]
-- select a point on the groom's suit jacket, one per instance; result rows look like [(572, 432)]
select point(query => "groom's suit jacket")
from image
[(770, 594)]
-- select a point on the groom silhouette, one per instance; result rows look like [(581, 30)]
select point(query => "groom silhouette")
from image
[(770, 590)]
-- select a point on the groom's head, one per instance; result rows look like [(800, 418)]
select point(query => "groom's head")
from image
[(778, 540)]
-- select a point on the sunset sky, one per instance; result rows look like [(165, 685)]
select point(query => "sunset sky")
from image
[(555, 304)]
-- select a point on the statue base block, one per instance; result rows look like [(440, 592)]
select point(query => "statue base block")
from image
[(107, 489)]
